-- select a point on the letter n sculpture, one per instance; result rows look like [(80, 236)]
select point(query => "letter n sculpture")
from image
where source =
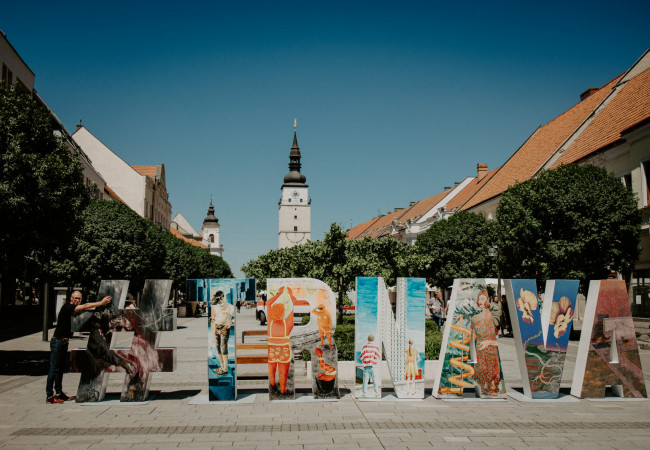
[(402, 337)]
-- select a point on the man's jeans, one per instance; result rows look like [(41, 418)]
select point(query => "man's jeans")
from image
[(58, 360), (368, 376)]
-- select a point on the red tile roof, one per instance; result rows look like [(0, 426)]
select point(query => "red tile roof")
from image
[(149, 171), (539, 147), (178, 234), (381, 226), (628, 108), (468, 191), (112, 194)]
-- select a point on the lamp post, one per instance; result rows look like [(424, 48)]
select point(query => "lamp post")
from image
[(494, 254)]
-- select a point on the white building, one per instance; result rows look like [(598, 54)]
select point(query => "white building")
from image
[(141, 188), (295, 204), (210, 230)]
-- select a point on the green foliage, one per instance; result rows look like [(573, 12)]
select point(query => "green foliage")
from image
[(571, 222), (116, 243), (336, 261), (456, 248), (42, 191), (432, 340)]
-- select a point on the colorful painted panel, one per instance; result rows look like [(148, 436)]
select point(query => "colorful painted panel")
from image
[(222, 295), (541, 339), (287, 339), (608, 354), (368, 338), (101, 358), (117, 289), (468, 320)]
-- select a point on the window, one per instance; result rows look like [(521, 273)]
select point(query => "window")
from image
[(627, 180), (289, 200), (212, 238), (295, 217), (295, 228), (300, 200), (645, 189)]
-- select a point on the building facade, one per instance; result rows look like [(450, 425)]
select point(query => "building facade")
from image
[(141, 188), (295, 204)]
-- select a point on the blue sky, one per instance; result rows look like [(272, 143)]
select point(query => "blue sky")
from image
[(394, 101)]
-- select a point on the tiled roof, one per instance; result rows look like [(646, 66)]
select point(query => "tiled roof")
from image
[(112, 193), (628, 108), (539, 147), (463, 196), (149, 171), (381, 226), (178, 234)]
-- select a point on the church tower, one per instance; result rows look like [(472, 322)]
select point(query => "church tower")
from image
[(295, 204), (211, 232)]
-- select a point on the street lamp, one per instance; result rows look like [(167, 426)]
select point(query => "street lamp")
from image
[(494, 254)]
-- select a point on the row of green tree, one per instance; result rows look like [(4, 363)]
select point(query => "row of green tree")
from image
[(52, 229), (575, 222)]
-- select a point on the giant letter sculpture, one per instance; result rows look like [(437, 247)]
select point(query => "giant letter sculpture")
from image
[(469, 325), (315, 336), (608, 352), (221, 295), (541, 339), (144, 356), (402, 337)]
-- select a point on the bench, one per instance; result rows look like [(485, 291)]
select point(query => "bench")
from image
[(252, 333), (257, 358)]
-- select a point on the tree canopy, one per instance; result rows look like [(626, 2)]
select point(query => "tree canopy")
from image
[(334, 260), (572, 222), (42, 189), (456, 248), (116, 243)]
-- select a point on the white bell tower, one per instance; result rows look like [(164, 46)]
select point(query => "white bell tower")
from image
[(295, 204), (210, 230)]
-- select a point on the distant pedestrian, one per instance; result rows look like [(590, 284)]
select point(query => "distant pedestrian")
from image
[(435, 309), (495, 309), (370, 358), (505, 312), (59, 345), (238, 305)]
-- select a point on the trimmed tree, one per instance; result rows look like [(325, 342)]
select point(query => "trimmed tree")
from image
[(42, 191), (456, 248), (572, 222)]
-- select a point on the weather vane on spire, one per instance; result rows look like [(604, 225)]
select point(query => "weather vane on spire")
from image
[(295, 123)]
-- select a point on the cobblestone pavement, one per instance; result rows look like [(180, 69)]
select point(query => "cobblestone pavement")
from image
[(169, 420)]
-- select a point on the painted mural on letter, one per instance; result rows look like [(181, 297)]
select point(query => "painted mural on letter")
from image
[(608, 354), (541, 339), (469, 324), (285, 339)]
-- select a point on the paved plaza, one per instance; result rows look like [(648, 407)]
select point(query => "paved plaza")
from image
[(177, 416)]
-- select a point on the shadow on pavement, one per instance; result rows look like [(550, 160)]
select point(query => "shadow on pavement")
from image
[(16, 362)]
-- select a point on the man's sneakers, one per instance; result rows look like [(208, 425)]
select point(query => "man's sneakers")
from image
[(63, 397), (53, 399)]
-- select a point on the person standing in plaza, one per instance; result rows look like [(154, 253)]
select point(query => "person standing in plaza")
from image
[(495, 309), (435, 309), (59, 345), (370, 358)]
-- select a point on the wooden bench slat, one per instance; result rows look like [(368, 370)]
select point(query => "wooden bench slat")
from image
[(253, 359), (253, 346)]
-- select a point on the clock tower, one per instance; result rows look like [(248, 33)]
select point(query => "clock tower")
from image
[(295, 204)]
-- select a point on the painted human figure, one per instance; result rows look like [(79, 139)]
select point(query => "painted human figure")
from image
[(324, 323), (280, 309), (370, 358), (488, 372), (221, 314), (412, 359)]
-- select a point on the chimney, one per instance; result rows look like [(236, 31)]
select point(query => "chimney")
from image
[(397, 209), (588, 93), (79, 127), (481, 171), (412, 203)]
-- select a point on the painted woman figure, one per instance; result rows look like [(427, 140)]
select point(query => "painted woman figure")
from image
[(488, 371), (280, 309), (412, 359)]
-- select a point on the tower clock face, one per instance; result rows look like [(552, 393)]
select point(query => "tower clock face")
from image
[(295, 194)]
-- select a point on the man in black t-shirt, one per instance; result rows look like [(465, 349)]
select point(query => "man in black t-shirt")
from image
[(59, 345)]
